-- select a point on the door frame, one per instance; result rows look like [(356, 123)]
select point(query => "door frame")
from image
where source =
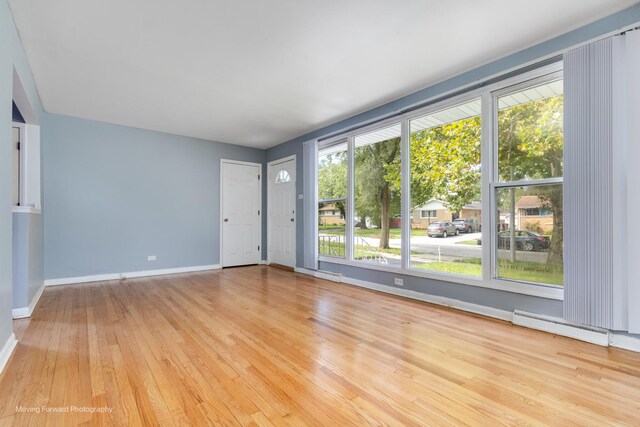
[(270, 166), (221, 219)]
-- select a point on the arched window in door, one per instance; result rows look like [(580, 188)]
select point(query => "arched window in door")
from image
[(283, 177)]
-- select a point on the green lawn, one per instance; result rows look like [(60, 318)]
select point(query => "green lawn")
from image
[(518, 270), (331, 229), (464, 268), (468, 242), (552, 274), (394, 233)]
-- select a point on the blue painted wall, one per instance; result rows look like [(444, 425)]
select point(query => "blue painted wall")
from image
[(114, 195), (28, 264), (492, 298)]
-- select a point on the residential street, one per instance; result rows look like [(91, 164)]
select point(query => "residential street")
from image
[(451, 248)]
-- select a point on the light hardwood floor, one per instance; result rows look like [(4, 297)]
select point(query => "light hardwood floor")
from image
[(260, 345)]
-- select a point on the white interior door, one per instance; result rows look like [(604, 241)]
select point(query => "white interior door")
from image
[(282, 212), (241, 204)]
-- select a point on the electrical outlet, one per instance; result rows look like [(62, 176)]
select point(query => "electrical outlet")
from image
[(151, 258), (398, 282)]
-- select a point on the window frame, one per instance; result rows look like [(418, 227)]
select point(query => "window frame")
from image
[(436, 107), (496, 184), (428, 216), (489, 183), (352, 174), (338, 140)]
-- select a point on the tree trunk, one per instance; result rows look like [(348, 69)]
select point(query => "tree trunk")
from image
[(385, 202), (555, 249), (341, 208), (512, 220)]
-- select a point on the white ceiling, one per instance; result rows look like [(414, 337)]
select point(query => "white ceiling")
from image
[(258, 72)]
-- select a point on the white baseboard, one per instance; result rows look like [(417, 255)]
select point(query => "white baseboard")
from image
[(171, 271), (22, 312), (304, 271), (129, 275), (82, 279), (624, 341), (328, 275), (7, 350), (558, 326)]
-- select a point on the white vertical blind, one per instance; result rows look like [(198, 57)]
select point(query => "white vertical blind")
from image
[(310, 194), (601, 200), (588, 187)]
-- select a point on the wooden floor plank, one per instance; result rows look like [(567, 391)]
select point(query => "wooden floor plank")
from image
[(266, 346)]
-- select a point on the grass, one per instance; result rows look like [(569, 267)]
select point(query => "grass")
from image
[(527, 271), (468, 242), (332, 230), (519, 270), (332, 249), (394, 233), (463, 268)]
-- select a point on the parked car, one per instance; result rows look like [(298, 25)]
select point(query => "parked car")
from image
[(442, 229), (525, 240), (466, 225)]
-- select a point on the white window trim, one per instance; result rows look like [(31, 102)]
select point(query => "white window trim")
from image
[(337, 140), (26, 209), (488, 97)]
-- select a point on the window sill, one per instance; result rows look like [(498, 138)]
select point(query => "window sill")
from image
[(541, 291), (26, 209)]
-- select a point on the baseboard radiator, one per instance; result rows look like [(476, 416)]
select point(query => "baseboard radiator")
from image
[(560, 327)]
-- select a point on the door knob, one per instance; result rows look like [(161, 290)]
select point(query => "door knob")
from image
[(292, 220), (226, 220)]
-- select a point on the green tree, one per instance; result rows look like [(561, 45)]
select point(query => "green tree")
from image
[(530, 146), (445, 164), (377, 193), (445, 160), (332, 179)]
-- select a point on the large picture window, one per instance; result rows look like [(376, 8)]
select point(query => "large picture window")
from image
[(468, 189), (377, 223), (529, 238), (445, 177)]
